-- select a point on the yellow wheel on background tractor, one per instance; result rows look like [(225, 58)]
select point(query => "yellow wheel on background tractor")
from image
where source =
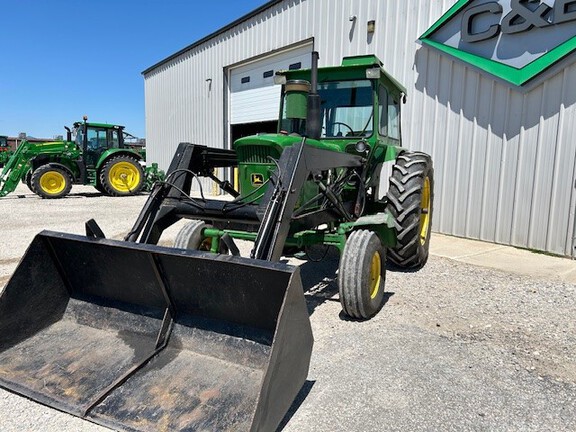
[(49, 181), (410, 201), (362, 275), (122, 175)]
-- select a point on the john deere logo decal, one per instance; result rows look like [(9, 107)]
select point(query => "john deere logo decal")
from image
[(257, 179), (513, 39)]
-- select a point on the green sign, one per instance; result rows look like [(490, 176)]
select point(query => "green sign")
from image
[(515, 40)]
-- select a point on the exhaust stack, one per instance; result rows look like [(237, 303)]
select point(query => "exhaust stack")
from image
[(313, 120)]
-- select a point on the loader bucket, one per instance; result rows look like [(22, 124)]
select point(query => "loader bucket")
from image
[(145, 338)]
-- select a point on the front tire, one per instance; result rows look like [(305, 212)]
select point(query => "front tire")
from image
[(28, 180), (362, 275), (50, 182), (191, 236), (410, 200), (122, 176)]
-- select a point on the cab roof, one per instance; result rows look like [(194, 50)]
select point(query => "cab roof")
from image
[(353, 67), (100, 125)]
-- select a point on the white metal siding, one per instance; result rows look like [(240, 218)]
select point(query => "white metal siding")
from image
[(504, 160)]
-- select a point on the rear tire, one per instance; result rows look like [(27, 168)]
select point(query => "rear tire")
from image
[(122, 176), (50, 182), (191, 236), (362, 275), (100, 188), (410, 200)]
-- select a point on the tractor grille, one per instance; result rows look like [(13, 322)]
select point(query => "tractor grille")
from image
[(257, 154)]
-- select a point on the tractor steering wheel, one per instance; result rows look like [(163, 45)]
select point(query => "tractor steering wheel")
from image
[(345, 125)]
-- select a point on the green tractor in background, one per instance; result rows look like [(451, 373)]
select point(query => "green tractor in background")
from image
[(5, 151), (93, 154)]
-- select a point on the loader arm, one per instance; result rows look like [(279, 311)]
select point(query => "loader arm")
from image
[(15, 169), (295, 166), (170, 200)]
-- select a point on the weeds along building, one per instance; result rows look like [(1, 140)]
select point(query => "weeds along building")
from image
[(491, 97)]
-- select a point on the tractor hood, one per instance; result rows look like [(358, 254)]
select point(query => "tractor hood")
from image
[(279, 142), (55, 146)]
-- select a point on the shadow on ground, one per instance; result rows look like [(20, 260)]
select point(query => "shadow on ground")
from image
[(301, 397)]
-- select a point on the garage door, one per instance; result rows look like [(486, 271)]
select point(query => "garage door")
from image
[(253, 95)]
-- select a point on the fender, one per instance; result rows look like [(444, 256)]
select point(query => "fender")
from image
[(116, 152), (61, 166), (47, 159)]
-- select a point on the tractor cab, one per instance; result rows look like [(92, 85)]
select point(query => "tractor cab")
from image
[(95, 138), (359, 101)]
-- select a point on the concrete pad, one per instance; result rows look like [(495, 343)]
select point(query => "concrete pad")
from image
[(456, 247), (570, 276), (505, 258)]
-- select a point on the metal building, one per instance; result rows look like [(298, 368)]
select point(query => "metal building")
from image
[(504, 154)]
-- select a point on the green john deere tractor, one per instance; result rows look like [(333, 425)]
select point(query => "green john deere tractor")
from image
[(93, 154), (194, 337), (5, 152)]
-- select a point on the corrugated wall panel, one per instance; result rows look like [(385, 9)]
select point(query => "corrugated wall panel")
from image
[(544, 163), (504, 160), (563, 190), (476, 189), (492, 167), (524, 188), (509, 167)]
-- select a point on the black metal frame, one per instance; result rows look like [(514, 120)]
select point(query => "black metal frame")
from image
[(273, 219)]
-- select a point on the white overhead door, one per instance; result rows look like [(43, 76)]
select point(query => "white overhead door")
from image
[(253, 95)]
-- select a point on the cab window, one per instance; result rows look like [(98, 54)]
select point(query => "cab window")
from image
[(346, 108), (383, 108), (96, 138), (114, 143), (393, 117)]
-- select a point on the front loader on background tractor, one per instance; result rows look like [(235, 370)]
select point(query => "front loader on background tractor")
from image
[(93, 154), (194, 337)]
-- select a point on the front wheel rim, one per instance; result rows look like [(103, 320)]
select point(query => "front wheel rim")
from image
[(375, 274), (425, 204), (124, 177), (52, 182)]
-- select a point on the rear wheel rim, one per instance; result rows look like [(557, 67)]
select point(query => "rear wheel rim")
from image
[(52, 182), (124, 177), (425, 211), (375, 274)]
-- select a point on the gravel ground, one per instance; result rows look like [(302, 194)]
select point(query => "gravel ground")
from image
[(455, 348)]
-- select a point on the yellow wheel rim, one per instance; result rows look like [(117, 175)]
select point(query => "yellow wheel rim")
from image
[(375, 274), (205, 244), (52, 182), (425, 209), (124, 177)]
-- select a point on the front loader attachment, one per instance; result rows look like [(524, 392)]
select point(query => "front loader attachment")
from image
[(144, 338)]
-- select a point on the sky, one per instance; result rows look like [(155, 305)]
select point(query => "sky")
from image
[(63, 59)]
